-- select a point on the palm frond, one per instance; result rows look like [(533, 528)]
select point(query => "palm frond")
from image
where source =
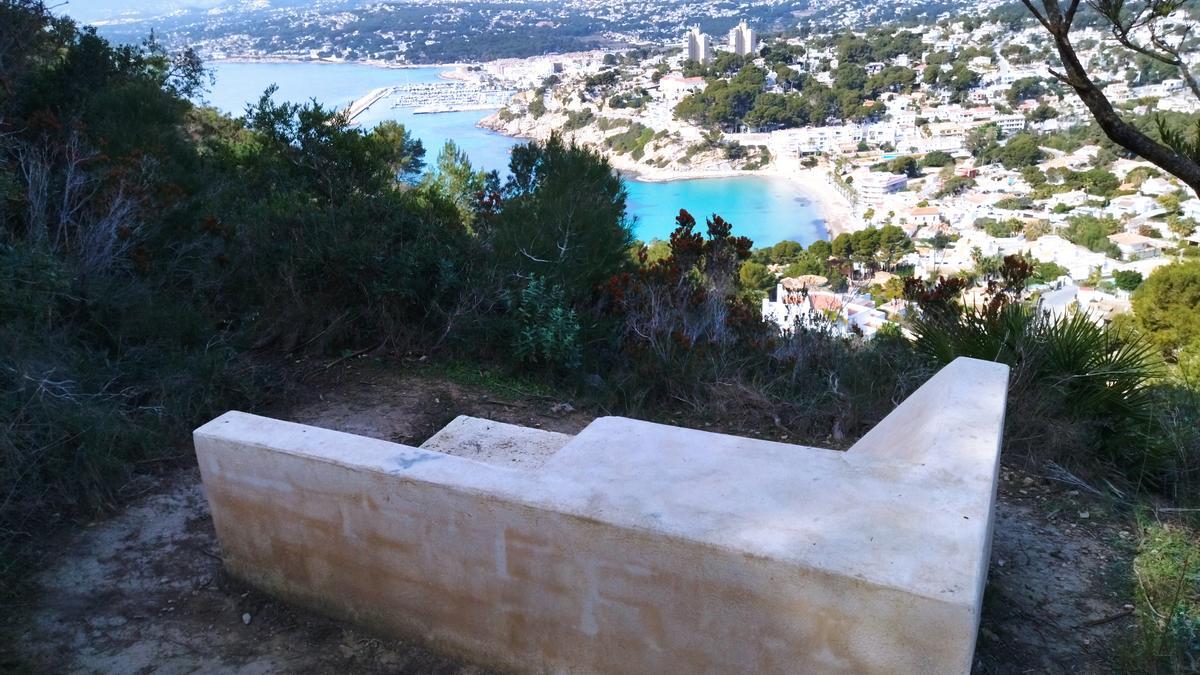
[(1177, 139)]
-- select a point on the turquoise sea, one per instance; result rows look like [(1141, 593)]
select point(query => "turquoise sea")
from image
[(767, 210)]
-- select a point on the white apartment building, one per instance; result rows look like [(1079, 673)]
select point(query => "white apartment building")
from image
[(1191, 209), (743, 40), (1079, 261), (843, 314), (1010, 124), (697, 46), (873, 187)]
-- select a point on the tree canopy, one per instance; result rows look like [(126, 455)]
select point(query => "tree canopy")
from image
[(1167, 307)]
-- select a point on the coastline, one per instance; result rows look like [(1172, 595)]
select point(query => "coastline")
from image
[(364, 62), (839, 214), (813, 184)]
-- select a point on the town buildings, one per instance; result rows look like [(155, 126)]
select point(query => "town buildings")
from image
[(794, 304), (743, 40), (697, 46), (875, 186), (962, 206), (674, 86)]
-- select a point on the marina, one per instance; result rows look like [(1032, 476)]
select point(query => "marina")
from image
[(426, 98), (448, 96)]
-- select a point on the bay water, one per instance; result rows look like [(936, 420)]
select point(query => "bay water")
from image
[(766, 209)]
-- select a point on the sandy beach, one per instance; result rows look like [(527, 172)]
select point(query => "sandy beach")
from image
[(814, 183), (837, 211)]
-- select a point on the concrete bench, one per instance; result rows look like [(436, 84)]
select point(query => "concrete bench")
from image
[(631, 547)]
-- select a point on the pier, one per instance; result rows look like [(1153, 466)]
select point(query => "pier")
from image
[(364, 104)]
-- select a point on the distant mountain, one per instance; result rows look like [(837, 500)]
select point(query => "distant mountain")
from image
[(103, 11), (443, 31), (98, 11)]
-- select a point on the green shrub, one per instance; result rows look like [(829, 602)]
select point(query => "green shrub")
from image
[(954, 185), (1166, 600), (937, 158), (578, 119), (33, 285), (999, 228), (1020, 150), (610, 123), (1014, 203), (1167, 306), (1078, 391), (563, 219), (537, 107), (756, 276), (633, 140), (1048, 271), (1127, 280), (632, 99), (547, 329), (1092, 233)]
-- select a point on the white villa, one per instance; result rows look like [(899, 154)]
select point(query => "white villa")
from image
[(797, 302)]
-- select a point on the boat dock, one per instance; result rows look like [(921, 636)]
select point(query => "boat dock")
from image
[(449, 96)]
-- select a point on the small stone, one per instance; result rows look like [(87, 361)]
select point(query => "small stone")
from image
[(1027, 481), (246, 618), (1084, 514)]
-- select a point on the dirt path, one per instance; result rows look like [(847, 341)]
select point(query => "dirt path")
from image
[(144, 592), (1059, 588)]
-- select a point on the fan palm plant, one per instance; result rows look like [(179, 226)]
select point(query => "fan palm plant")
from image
[(1076, 385)]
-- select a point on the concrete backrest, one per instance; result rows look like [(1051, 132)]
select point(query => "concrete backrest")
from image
[(632, 547)]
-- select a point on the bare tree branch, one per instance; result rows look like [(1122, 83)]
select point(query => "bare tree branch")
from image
[(1124, 23)]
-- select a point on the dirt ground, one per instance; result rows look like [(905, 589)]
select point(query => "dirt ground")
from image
[(144, 591)]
